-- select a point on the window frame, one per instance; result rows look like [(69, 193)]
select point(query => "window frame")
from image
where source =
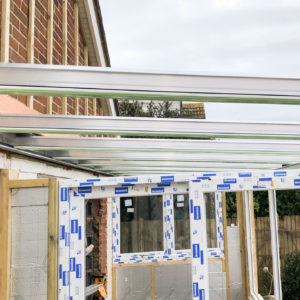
[(169, 252)]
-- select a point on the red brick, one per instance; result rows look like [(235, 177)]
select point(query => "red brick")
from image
[(39, 107), (19, 36), (14, 21), (19, 13), (18, 43)]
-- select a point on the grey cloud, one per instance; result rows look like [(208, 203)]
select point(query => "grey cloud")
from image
[(220, 36)]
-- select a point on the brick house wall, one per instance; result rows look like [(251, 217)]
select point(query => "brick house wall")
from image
[(18, 42), (19, 20), (96, 233)]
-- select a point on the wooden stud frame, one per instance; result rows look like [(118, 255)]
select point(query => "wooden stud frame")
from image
[(226, 266), (241, 218), (53, 232), (86, 63), (5, 22), (65, 48), (30, 43), (5, 235), (9, 181), (76, 48), (50, 48)]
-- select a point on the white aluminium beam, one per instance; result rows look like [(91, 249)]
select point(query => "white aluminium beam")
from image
[(159, 145), (147, 127), (78, 81), (174, 156), (177, 169), (175, 164)]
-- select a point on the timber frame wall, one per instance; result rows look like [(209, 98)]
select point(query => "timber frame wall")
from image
[(8, 181), (46, 32)]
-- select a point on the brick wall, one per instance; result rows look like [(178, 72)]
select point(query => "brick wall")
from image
[(19, 19), (18, 54), (96, 234), (103, 235)]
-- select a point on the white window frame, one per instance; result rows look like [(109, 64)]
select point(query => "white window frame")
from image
[(73, 194), (169, 252)]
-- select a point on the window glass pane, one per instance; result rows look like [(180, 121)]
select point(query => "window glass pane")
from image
[(263, 243), (288, 210), (141, 224), (181, 222), (288, 220), (211, 227)]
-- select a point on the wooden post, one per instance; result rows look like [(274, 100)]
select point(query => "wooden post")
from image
[(30, 34), (52, 276), (76, 49), (28, 183), (240, 201), (50, 48), (152, 282), (253, 242), (5, 22), (114, 286), (65, 48), (5, 235), (30, 43), (5, 232), (95, 106), (86, 63), (224, 215)]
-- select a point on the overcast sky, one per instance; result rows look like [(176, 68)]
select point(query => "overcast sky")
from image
[(259, 37)]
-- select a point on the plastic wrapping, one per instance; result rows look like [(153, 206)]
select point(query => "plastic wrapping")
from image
[(29, 244), (133, 283)]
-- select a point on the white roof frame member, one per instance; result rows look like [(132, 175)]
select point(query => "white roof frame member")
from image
[(98, 146), (64, 80), (152, 155), (109, 83), (159, 145), (148, 127)]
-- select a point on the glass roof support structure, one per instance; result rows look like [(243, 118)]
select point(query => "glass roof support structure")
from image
[(68, 81), (267, 144)]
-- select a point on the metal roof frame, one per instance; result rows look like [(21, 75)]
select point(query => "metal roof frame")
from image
[(136, 155), (147, 127), (54, 80), (239, 145), (157, 145)]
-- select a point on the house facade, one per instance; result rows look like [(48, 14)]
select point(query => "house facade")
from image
[(54, 32)]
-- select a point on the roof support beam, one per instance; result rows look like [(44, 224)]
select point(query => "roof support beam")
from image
[(147, 127), (159, 145), (178, 164), (175, 169), (109, 83), (174, 156)]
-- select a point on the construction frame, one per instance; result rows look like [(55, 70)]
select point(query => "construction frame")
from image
[(72, 199), (116, 187), (10, 181), (240, 155)]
